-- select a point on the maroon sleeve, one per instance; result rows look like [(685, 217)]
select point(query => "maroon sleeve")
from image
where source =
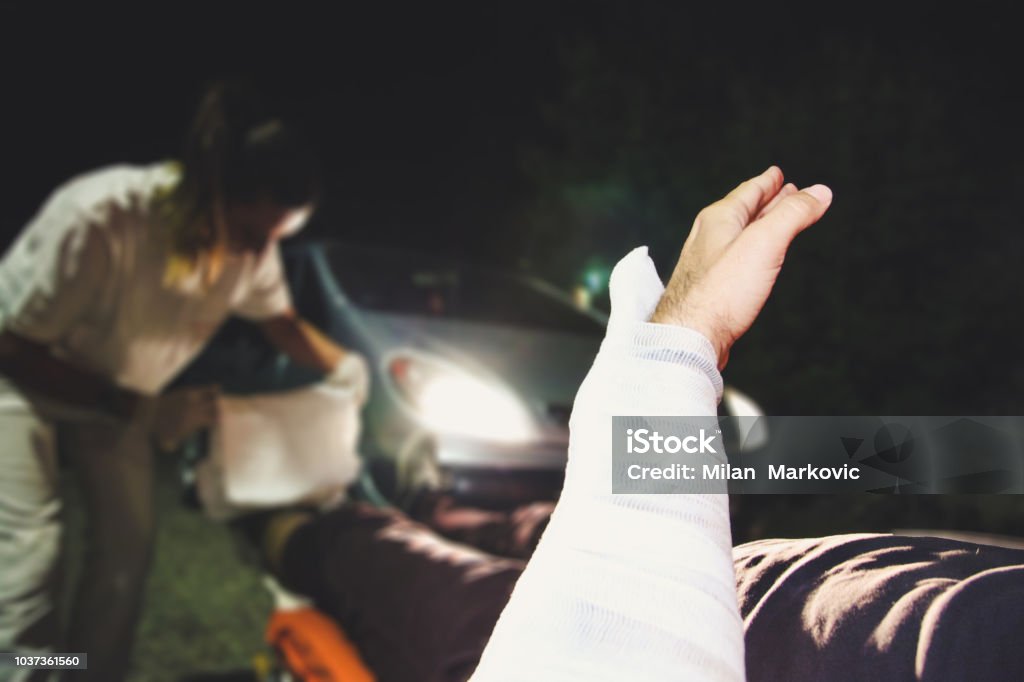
[(881, 607)]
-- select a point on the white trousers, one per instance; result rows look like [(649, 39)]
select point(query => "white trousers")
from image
[(114, 468), (29, 530)]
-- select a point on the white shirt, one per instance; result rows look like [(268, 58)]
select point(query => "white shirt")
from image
[(86, 277)]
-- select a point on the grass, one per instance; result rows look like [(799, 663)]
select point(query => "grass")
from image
[(205, 608)]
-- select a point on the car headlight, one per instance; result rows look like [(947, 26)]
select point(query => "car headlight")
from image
[(451, 400)]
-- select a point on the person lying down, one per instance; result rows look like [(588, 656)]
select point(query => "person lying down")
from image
[(420, 606), (604, 595)]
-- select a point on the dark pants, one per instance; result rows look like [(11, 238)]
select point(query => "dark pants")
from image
[(419, 607), (851, 607)]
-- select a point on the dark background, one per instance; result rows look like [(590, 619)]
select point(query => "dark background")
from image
[(555, 136)]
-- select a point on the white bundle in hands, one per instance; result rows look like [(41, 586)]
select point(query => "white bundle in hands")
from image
[(281, 449)]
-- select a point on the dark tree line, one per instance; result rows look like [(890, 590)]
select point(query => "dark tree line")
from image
[(906, 298)]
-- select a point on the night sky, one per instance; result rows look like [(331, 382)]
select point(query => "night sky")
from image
[(416, 112), (556, 135)]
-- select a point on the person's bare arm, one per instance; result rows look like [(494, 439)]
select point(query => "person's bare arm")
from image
[(67, 388), (71, 393), (302, 342), (308, 346)]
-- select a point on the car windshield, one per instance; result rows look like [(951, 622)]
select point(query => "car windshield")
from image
[(394, 282)]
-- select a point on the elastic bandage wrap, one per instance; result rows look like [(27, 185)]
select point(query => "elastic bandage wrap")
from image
[(628, 587)]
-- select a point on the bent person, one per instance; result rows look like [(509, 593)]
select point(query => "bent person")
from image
[(119, 281)]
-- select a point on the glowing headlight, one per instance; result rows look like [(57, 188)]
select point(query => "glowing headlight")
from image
[(450, 400)]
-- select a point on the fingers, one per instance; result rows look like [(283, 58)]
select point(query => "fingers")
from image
[(787, 189), (182, 412), (795, 213), (204, 405), (747, 200), (208, 391)]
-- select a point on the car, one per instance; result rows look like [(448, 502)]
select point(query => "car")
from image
[(473, 369)]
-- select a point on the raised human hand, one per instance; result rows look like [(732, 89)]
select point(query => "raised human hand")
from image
[(733, 255)]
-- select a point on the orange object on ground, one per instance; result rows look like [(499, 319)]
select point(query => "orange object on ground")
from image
[(314, 647)]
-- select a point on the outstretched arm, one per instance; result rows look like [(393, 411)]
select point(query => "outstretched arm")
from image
[(308, 346), (302, 342), (642, 586)]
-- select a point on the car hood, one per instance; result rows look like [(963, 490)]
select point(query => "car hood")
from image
[(542, 366)]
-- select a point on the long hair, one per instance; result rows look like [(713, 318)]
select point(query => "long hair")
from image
[(236, 150)]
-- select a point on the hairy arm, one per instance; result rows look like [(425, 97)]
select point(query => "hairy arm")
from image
[(63, 388), (302, 342)]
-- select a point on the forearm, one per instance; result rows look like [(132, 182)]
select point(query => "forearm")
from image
[(627, 586), (303, 342), (62, 388), (642, 586)]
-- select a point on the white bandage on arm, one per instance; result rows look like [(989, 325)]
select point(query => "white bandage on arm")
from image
[(628, 587)]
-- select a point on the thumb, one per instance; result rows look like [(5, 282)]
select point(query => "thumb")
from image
[(793, 214), (634, 288)]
